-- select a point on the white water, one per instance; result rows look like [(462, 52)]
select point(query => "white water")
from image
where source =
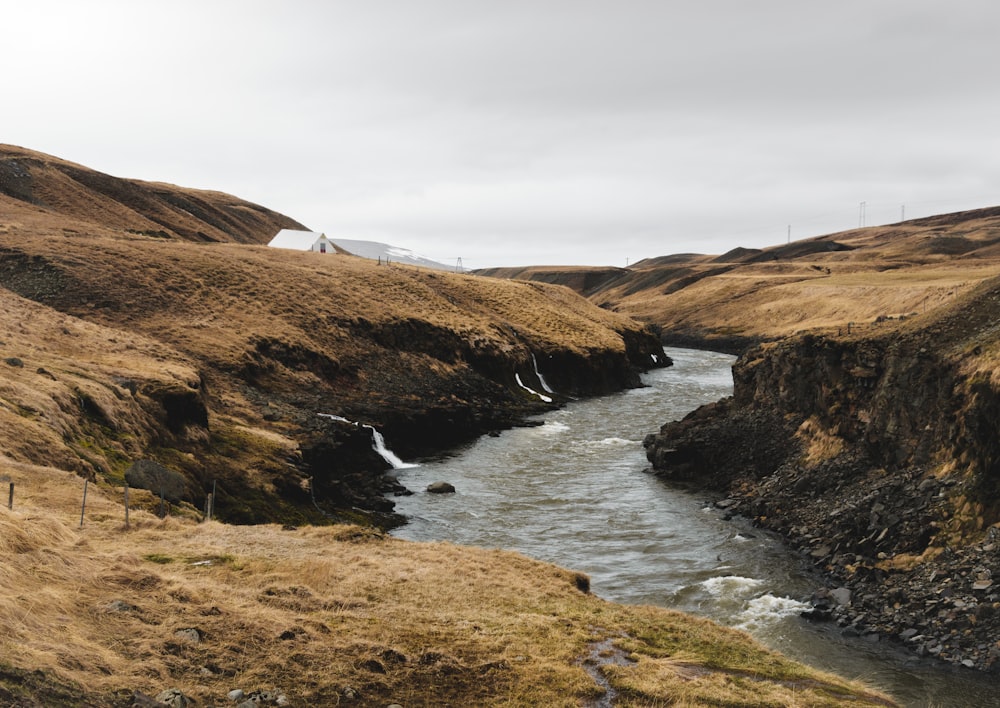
[(378, 442), (541, 379), (520, 383), (574, 492)]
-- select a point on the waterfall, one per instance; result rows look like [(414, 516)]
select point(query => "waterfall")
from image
[(545, 398), (378, 442), (541, 379)]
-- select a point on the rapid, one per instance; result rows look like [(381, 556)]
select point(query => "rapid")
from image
[(575, 491)]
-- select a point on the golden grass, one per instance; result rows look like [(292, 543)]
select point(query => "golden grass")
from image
[(319, 610), (756, 301), (904, 269)]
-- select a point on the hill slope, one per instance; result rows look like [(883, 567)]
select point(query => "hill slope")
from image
[(105, 615), (876, 452), (216, 359), (824, 283), (53, 196)]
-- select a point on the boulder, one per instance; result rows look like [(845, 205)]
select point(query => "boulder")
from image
[(151, 475), (440, 488)]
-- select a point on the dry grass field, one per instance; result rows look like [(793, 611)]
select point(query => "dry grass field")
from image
[(337, 615), (854, 277)]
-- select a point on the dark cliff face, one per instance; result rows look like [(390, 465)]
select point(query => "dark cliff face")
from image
[(880, 459), (475, 391)]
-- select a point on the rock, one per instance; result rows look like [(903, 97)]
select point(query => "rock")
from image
[(841, 596), (256, 699), (120, 606), (440, 488), (373, 665), (14, 361), (174, 698), (982, 585), (189, 634), (151, 475), (236, 694), (907, 634)]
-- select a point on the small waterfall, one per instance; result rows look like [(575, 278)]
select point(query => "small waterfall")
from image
[(378, 442), (541, 379), (545, 398)]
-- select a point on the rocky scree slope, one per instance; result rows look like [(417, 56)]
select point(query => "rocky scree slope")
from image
[(878, 456)]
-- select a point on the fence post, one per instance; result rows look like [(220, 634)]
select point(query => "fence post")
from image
[(126, 505), (10, 499), (83, 506)]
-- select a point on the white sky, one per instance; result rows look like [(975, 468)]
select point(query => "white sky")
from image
[(515, 132)]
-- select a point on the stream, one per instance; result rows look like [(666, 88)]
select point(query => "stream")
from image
[(575, 491)]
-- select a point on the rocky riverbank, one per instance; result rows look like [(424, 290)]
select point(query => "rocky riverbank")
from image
[(876, 456)]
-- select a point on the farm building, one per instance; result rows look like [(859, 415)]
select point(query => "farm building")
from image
[(302, 241)]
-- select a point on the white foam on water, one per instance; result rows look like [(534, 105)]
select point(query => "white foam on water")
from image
[(731, 585), (768, 609), (552, 428), (610, 442)]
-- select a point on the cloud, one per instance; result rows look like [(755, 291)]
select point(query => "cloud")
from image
[(518, 132)]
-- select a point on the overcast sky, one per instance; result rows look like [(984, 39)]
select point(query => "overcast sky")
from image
[(515, 132)]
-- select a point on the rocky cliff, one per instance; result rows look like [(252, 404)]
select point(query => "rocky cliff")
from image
[(877, 455)]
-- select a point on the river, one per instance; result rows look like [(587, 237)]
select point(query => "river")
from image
[(575, 491)]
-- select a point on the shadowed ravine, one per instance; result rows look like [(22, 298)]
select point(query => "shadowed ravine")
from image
[(573, 491)]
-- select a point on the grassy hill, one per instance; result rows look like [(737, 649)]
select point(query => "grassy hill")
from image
[(826, 283), (337, 615), (142, 322), (50, 196)]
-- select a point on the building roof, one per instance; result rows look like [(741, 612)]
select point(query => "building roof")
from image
[(296, 240)]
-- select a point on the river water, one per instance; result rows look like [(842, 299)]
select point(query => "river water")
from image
[(575, 491)]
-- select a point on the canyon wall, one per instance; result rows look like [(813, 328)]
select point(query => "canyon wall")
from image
[(878, 456)]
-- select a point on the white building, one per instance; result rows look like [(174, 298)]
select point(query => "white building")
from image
[(302, 241)]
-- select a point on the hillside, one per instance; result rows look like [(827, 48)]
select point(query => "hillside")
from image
[(216, 359), (876, 453), (826, 283), (49, 196), (109, 615)]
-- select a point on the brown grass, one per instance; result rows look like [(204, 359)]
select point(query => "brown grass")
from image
[(119, 317), (316, 611), (902, 269)]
